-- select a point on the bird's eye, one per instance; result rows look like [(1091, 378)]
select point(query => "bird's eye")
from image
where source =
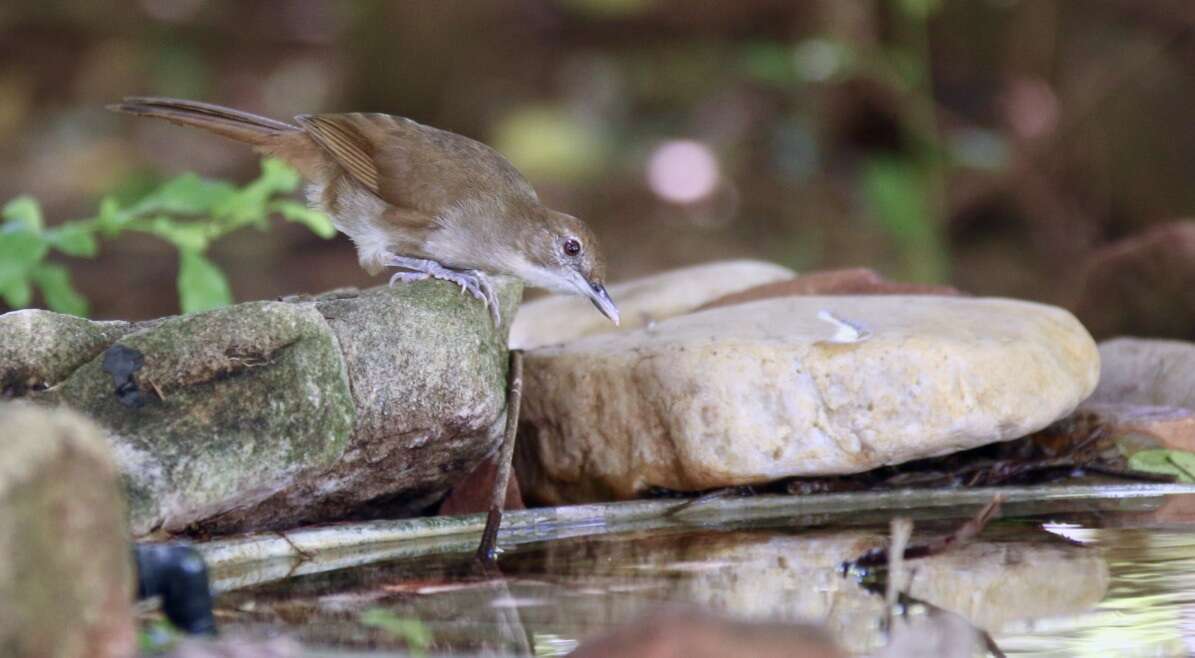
[(572, 247)]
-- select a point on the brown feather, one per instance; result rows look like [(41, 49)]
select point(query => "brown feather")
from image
[(339, 136), (269, 136)]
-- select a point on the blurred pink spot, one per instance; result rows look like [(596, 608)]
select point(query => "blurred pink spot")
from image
[(1031, 107), (682, 171)]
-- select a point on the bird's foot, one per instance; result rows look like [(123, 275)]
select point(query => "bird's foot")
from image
[(474, 282)]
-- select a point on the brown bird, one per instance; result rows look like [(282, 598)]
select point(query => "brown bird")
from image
[(428, 201)]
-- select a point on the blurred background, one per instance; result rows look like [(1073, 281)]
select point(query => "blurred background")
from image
[(1042, 149)]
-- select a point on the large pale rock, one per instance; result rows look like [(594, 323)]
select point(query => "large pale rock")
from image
[(561, 318), (66, 574), (271, 414), (1147, 371), (760, 391)]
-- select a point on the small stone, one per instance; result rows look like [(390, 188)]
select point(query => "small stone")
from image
[(1143, 426), (854, 281), (1147, 371), (561, 318), (66, 574), (756, 392)]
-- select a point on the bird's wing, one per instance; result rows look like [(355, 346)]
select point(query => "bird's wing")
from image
[(415, 167), (348, 140)]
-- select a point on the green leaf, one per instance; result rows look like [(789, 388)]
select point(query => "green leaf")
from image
[(896, 191), (201, 285), (185, 195), (23, 211), (294, 211), (20, 250), (186, 236), (111, 218), (412, 631), (1178, 463), (17, 293), (919, 8), (767, 61), (249, 204), (55, 284), (73, 239)]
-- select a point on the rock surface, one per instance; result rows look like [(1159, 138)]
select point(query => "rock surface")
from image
[(761, 391), (66, 574), (1143, 427), (853, 281), (561, 318), (271, 414), (1148, 372)]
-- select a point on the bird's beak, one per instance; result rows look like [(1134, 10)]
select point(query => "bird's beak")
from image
[(601, 299)]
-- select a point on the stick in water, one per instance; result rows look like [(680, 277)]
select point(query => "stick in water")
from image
[(487, 552)]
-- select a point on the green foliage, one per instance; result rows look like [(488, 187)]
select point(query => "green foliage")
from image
[(894, 189), (189, 212), (411, 631), (904, 190), (1179, 463)]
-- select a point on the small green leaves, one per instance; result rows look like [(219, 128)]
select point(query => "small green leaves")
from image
[(201, 285), (186, 195), (188, 211), (73, 239), (55, 284), (412, 631), (23, 211), (294, 211), (1179, 463)]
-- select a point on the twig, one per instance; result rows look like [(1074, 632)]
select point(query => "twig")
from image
[(902, 531), (488, 548), (965, 533)]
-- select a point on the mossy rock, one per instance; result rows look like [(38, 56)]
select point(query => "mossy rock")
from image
[(272, 414)]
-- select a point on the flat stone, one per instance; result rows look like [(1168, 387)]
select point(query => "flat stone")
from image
[(561, 318), (66, 576), (1147, 371), (852, 281), (761, 391), (267, 415), (1141, 427)]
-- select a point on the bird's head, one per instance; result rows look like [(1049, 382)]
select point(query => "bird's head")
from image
[(563, 255)]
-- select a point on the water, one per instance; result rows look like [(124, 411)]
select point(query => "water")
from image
[(1093, 577)]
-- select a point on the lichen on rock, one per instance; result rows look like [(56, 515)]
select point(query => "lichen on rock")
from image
[(270, 414)]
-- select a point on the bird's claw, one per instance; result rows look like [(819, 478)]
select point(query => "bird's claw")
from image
[(474, 282)]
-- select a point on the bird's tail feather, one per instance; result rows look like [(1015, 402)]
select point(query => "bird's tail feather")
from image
[(225, 121)]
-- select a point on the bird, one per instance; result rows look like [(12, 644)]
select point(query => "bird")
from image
[(430, 202)]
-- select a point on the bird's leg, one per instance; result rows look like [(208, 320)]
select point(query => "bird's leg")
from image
[(474, 282)]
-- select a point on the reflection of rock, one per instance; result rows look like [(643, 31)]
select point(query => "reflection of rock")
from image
[(561, 318), (268, 414), (1147, 371), (758, 391), (66, 581), (574, 589), (995, 584), (695, 634), (796, 578)]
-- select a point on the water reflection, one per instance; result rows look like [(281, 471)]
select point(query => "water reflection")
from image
[(553, 595)]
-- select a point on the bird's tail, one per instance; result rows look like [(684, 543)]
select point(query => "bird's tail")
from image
[(234, 124)]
